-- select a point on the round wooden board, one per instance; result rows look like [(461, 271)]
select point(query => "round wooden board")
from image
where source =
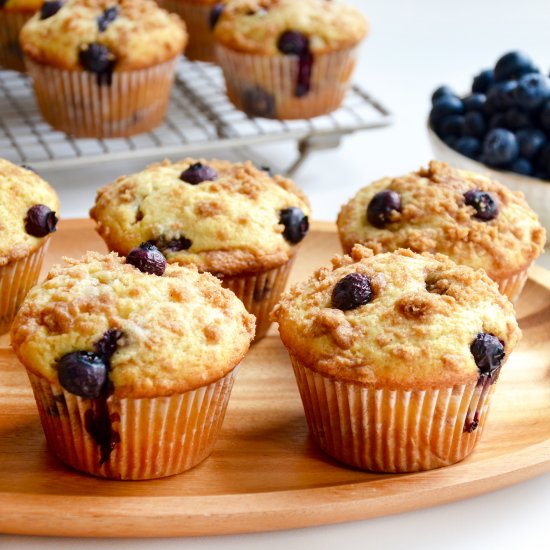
[(265, 472)]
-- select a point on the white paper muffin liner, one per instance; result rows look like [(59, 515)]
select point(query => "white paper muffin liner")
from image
[(513, 286), (11, 24), (265, 86), (155, 437), (16, 279), (259, 293), (393, 431), (197, 21), (75, 103)]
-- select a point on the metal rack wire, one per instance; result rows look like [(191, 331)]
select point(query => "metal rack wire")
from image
[(200, 118)]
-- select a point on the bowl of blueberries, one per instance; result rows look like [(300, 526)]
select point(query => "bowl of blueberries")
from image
[(500, 128)]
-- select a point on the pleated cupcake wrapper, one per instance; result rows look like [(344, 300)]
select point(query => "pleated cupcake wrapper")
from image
[(259, 293), (197, 21), (393, 431), (75, 103), (11, 24), (513, 286), (16, 279), (157, 437), (265, 86)]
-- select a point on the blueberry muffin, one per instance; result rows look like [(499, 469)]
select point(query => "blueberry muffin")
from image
[(396, 356), (469, 217), (286, 59), (28, 207), (233, 220), (13, 15), (200, 18), (103, 68), (131, 361)]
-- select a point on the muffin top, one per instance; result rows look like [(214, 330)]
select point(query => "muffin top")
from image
[(29, 6), (167, 334), (255, 26), (127, 34), (469, 217), (397, 320), (27, 211), (225, 218)]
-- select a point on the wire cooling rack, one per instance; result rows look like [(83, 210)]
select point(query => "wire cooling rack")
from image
[(200, 118)]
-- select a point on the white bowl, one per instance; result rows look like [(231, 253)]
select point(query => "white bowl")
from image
[(536, 191)]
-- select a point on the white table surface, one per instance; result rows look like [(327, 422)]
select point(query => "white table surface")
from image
[(412, 48)]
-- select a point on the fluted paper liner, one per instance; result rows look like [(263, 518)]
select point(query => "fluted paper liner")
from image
[(11, 24), (393, 431), (75, 103), (157, 437), (276, 78), (16, 279), (259, 293), (513, 286), (197, 22)]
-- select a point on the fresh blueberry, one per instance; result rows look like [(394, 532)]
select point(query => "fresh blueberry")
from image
[(532, 90), (444, 106), (501, 96), (530, 142), (49, 9), (498, 120), (148, 259), (382, 207), (483, 81), (40, 220), (215, 15), (451, 125), (97, 59), (176, 245), (197, 173), (441, 92), (258, 102), (82, 373), (516, 119), (474, 102), (522, 166), (468, 146), (474, 124), (513, 65), (351, 292), (488, 352), (296, 224), (544, 117), (450, 141), (500, 147), (543, 161), (293, 43), (483, 203), (106, 18), (108, 344)]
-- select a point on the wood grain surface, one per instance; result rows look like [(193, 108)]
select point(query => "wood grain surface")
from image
[(265, 472)]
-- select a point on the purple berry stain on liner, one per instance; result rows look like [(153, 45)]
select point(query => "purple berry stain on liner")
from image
[(295, 43), (215, 15), (40, 221)]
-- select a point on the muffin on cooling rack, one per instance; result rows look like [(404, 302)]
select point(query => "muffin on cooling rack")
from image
[(286, 59), (200, 17), (232, 220), (103, 68), (28, 207), (396, 356), (131, 362), (469, 217)]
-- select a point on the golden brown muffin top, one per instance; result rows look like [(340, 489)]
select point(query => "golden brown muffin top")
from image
[(229, 225), (435, 218), (22, 6), (254, 26), (20, 190), (178, 331), (139, 35), (416, 331)]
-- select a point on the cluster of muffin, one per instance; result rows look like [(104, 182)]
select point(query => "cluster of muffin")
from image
[(395, 347), (104, 68)]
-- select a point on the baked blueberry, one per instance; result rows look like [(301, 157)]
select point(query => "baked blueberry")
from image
[(530, 142), (29, 168), (215, 15), (267, 170), (148, 259), (488, 352), (49, 9), (293, 43), (197, 173), (351, 292), (483, 81), (305, 66), (106, 18), (468, 146), (175, 245), (98, 59), (474, 124), (257, 102), (484, 204), (40, 220), (82, 373), (441, 92), (513, 65), (500, 147), (382, 208), (296, 224)]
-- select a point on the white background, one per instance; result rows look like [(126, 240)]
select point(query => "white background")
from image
[(413, 47)]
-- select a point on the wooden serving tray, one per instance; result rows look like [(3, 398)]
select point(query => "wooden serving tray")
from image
[(265, 472)]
